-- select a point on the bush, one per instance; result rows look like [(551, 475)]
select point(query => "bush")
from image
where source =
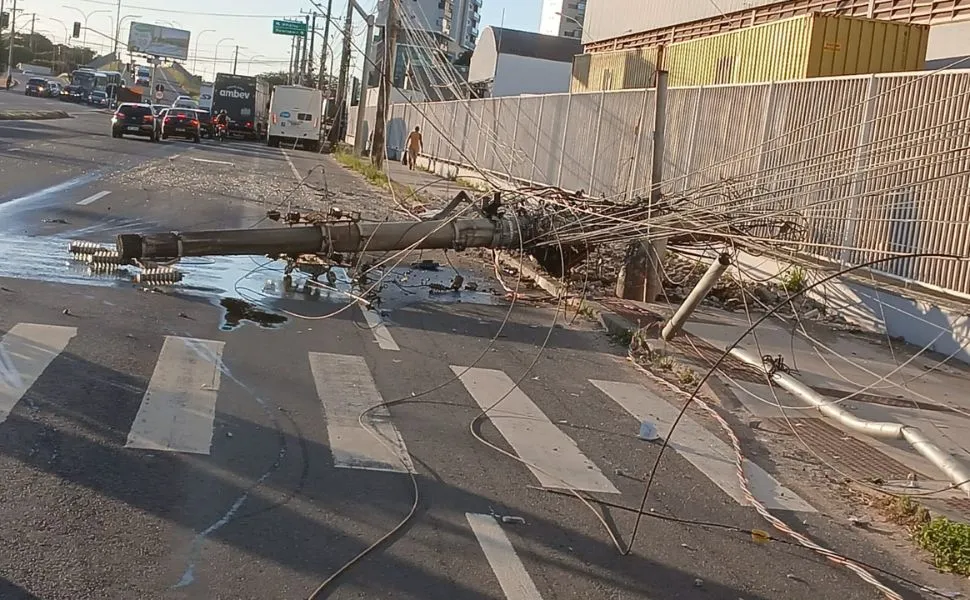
[(949, 544)]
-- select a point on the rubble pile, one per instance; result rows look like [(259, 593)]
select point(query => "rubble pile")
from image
[(597, 277)]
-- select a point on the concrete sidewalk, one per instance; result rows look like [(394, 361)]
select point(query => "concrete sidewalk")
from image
[(424, 183), (870, 376)]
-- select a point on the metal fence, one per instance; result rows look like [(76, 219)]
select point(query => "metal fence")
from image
[(873, 166)]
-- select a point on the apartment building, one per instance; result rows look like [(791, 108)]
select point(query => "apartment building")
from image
[(563, 18)]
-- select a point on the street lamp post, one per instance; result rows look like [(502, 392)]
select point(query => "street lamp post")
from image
[(118, 32), (249, 63), (85, 16), (195, 56), (215, 56)]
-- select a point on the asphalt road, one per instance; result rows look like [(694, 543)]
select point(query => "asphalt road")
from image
[(150, 448)]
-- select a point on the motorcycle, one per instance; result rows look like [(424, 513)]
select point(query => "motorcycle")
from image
[(221, 132)]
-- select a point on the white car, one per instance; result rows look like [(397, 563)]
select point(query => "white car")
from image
[(185, 102)]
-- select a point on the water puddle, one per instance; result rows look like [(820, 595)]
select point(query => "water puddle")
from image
[(237, 310), (249, 289)]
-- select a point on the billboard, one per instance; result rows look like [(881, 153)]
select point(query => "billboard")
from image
[(155, 40)]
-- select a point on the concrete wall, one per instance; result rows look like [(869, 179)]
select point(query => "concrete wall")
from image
[(517, 75), (611, 18)]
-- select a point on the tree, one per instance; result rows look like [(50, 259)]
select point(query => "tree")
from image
[(276, 77)]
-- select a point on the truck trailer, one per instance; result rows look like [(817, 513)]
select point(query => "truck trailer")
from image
[(246, 102)]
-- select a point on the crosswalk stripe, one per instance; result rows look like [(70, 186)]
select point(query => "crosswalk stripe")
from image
[(501, 556), (25, 352), (711, 456), (346, 389), (178, 409), (552, 456), (379, 329)]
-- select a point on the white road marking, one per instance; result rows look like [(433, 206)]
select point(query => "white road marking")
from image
[(711, 456), (379, 329), (551, 455), (501, 556), (93, 198), (179, 406), (214, 162), (289, 161), (346, 389), (25, 352)]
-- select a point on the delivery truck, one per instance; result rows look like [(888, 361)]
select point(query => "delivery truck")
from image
[(295, 117), (246, 102)]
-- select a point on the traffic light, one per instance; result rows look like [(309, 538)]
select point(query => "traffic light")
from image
[(77, 29), (4, 20)]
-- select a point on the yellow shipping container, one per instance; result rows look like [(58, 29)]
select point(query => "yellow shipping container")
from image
[(622, 70), (814, 45)]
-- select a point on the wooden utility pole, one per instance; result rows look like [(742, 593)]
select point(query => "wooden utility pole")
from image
[(641, 275), (342, 79), (386, 84)]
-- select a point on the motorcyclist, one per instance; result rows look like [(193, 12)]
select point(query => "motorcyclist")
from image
[(222, 120)]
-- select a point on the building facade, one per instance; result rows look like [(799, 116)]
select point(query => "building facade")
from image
[(508, 62), (618, 24), (563, 18), (453, 24)]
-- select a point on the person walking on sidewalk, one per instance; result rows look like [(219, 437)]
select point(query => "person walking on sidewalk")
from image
[(415, 145)]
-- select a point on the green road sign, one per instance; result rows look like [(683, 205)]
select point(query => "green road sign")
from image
[(289, 27)]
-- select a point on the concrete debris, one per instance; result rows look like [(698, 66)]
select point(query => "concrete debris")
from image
[(648, 432)]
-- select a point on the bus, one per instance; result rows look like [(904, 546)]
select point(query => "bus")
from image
[(89, 80), (112, 81)]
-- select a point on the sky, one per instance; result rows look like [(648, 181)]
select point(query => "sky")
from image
[(214, 36)]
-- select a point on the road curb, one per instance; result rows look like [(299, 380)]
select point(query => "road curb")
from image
[(32, 115)]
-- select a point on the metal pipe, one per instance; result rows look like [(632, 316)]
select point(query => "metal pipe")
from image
[(323, 239), (958, 473), (693, 300)]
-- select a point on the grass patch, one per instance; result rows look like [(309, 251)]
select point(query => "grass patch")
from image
[(793, 280), (948, 542), (362, 166)]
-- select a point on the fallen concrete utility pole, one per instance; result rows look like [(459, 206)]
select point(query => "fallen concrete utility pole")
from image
[(954, 470), (324, 239), (696, 296)]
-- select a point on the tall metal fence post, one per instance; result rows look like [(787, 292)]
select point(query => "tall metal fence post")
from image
[(515, 132), (565, 135), (692, 144), (765, 134), (596, 142), (482, 136), (859, 180), (637, 143), (535, 149)]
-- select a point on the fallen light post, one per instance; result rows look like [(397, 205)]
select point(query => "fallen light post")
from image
[(696, 296), (957, 473)]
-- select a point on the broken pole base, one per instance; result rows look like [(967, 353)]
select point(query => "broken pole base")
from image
[(640, 278)]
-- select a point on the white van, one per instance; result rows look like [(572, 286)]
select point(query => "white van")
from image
[(294, 117)]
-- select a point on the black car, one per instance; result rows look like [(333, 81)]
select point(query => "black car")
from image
[(74, 93), (36, 87), (98, 98), (134, 119), (181, 122)]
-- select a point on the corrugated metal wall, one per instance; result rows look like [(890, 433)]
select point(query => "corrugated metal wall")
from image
[(624, 70), (871, 165)]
